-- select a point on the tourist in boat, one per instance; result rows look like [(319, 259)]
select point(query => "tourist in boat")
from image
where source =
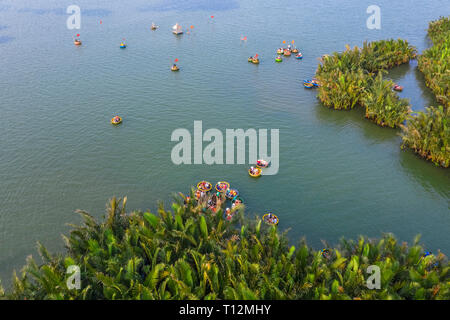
[(228, 214), (262, 163)]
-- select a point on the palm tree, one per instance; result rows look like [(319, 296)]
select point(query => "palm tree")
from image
[(434, 63), (383, 106), (428, 135)]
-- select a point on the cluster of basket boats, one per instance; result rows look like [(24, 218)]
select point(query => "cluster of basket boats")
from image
[(223, 190), (281, 51), (287, 52)]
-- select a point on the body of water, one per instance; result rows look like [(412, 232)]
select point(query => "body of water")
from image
[(340, 175)]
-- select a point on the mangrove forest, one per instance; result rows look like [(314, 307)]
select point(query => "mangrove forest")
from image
[(355, 77), (192, 252)]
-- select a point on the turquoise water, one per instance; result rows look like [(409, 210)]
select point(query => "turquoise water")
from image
[(340, 175)]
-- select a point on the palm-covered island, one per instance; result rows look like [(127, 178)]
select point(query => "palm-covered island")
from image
[(355, 78)]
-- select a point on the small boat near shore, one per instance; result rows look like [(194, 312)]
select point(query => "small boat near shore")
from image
[(308, 83), (270, 219), (397, 88), (222, 186), (278, 59), (204, 186), (231, 193)]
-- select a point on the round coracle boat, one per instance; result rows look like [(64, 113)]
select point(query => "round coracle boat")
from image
[(222, 186), (231, 193), (255, 173), (204, 186), (261, 163), (270, 219), (116, 120)]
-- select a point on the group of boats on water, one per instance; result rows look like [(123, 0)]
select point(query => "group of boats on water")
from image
[(222, 190), (311, 83), (287, 52)]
